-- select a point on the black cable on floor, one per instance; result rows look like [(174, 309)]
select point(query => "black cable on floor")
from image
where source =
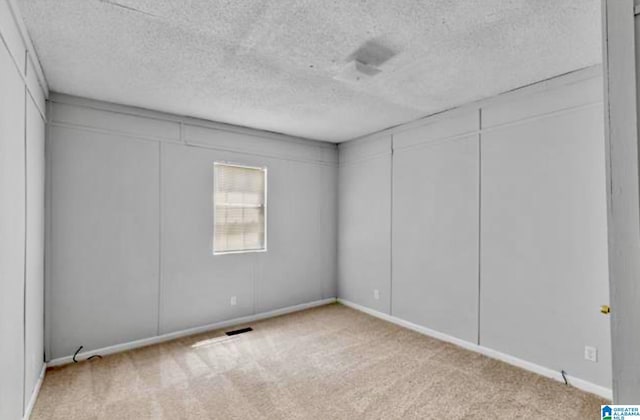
[(76, 353), (564, 376), (88, 358)]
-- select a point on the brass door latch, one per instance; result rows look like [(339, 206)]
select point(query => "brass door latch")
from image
[(605, 309)]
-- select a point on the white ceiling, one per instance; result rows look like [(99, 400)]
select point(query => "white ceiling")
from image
[(271, 64)]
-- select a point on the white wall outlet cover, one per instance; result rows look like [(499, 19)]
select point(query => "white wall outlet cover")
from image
[(591, 353), (376, 294), (234, 300)]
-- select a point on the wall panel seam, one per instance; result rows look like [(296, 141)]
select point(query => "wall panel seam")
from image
[(364, 159), (479, 220), (391, 230), (565, 79), (541, 116), (267, 155), (24, 271), (48, 252), (196, 145), (436, 141), (114, 132), (131, 111), (160, 224)]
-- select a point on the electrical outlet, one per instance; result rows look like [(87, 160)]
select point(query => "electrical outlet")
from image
[(590, 353), (234, 300), (376, 294)]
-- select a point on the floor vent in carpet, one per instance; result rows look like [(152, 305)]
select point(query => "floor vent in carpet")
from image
[(240, 331)]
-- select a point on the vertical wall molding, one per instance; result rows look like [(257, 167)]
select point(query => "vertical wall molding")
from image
[(48, 249), (391, 232), (24, 89), (160, 238), (26, 222), (620, 57), (479, 220)]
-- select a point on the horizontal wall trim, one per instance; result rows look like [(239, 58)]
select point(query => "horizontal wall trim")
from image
[(365, 158), (429, 141), (34, 396), (553, 82), (89, 116), (347, 147), (128, 135), (194, 145), (266, 155), (364, 149), (562, 111), (449, 124), (494, 354), (308, 151), (118, 348), (98, 105)]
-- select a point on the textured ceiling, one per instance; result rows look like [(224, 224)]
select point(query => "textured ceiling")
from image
[(272, 64)]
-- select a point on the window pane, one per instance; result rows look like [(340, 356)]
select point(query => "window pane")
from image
[(239, 208)]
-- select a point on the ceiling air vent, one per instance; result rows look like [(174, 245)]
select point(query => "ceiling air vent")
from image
[(364, 62), (355, 70)]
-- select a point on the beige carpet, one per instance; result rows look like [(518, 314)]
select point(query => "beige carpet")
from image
[(325, 363)]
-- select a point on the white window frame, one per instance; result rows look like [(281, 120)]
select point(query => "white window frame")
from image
[(213, 200)]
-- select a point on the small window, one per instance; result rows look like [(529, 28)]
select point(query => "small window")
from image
[(240, 209)]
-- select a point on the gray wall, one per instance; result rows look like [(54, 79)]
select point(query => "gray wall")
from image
[(21, 220), (131, 225), (103, 279), (544, 265), (496, 227), (435, 226), (364, 222)]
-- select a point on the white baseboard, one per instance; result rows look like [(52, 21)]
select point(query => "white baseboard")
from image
[(34, 395), (191, 331), (523, 364)]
